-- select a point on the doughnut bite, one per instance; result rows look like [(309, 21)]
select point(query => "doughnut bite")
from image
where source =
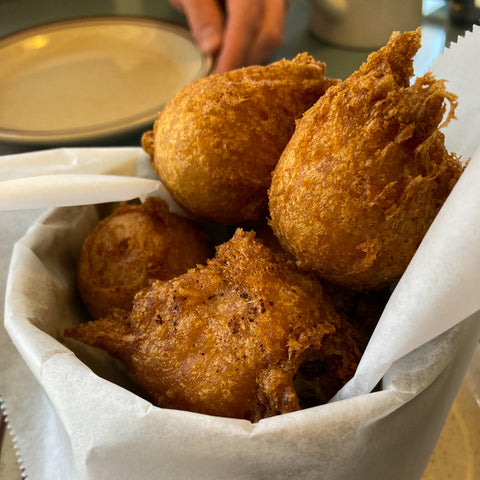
[(216, 142), (366, 171)]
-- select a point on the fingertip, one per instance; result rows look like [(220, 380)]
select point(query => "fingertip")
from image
[(209, 40), (206, 24), (225, 64)]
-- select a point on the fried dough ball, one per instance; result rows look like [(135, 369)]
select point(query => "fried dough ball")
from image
[(135, 244), (366, 171), (217, 141), (227, 338)]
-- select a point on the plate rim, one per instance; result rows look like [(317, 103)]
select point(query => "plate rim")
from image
[(103, 130)]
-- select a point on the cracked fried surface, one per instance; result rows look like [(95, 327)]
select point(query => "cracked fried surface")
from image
[(216, 142), (228, 338), (132, 246), (366, 171)]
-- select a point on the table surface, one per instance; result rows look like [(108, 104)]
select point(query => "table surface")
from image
[(462, 428)]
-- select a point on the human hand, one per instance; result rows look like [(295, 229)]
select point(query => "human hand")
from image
[(242, 33)]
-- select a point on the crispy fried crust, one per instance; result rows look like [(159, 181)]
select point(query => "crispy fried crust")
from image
[(135, 244), (216, 142), (112, 333), (227, 339), (366, 171)]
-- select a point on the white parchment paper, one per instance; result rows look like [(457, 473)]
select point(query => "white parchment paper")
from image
[(418, 353), (449, 257), (77, 176)]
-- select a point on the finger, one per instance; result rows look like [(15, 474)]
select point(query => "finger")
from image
[(205, 20), (271, 33), (240, 31), (177, 4)]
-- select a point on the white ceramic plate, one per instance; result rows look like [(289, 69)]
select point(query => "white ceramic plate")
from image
[(85, 79)]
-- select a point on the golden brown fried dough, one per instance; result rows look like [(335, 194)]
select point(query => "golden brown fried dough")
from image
[(366, 171), (132, 246), (112, 333), (216, 142), (227, 339)]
